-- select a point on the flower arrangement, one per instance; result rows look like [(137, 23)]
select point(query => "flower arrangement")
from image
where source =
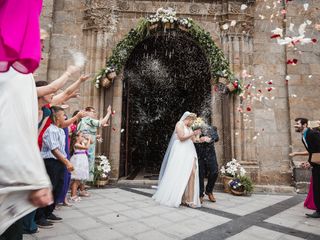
[(103, 74), (185, 22), (236, 184), (233, 169), (102, 168), (164, 15), (219, 65), (240, 183), (198, 123)]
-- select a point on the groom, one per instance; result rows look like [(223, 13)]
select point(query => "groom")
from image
[(207, 157)]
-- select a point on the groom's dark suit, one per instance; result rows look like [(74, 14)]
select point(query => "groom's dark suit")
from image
[(207, 157)]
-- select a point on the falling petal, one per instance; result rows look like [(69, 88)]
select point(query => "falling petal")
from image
[(291, 27), (277, 31), (283, 11), (225, 26), (233, 23), (306, 6), (243, 7), (302, 28)]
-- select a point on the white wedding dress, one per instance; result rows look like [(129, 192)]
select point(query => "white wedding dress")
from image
[(174, 181)]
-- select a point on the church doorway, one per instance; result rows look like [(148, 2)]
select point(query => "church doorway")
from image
[(166, 74)]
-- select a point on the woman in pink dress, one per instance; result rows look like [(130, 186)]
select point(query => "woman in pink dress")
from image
[(308, 202)]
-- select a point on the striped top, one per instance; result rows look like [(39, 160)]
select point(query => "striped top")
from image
[(53, 138)]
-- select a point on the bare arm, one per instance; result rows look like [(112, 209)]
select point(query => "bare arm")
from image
[(293, 154), (181, 134), (56, 84), (82, 147), (69, 92), (106, 118), (68, 122), (62, 159)]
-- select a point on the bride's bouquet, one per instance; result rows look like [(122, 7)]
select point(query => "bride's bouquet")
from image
[(199, 123)]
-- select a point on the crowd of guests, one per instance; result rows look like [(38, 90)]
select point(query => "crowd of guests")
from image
[(67, 146)]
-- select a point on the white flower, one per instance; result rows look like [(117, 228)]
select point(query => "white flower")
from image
[(223, 170), (242, 172)]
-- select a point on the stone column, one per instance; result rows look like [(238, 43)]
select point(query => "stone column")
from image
[(236, 37), (99, 25)]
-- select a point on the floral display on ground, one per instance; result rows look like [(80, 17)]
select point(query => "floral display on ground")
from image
[(165, 19), (236, 179), (102, 168)]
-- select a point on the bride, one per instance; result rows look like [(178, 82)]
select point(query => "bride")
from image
[(178, 178)]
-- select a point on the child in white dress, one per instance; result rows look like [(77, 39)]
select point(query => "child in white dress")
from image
[(79, 159)]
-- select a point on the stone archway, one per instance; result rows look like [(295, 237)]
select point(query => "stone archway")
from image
[(166, 74)]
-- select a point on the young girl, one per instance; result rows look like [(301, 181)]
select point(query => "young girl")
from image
[(79, 159)]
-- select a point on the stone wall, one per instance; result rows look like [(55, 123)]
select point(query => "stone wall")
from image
[(260, 138)]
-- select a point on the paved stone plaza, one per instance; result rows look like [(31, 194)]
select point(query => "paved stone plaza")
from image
[(130, 213)]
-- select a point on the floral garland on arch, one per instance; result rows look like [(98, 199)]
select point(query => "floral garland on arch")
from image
[(165, 18)]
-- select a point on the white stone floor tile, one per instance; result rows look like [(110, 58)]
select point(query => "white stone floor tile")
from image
[(295, 218), (254, 233)]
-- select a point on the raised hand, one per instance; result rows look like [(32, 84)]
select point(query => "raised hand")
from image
[(81, 114), (84, 78), (109, 109)]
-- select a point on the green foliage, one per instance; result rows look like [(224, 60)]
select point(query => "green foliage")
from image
[(219, 65), (247, 183)]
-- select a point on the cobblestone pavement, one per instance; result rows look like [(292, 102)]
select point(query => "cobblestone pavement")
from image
[(130, 213)]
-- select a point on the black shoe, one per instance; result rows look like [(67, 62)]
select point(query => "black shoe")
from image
[(54, 218), (313, 215), (43, 223)]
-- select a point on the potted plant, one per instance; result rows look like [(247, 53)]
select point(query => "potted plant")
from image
[(231, 170), (241, 185), (247, 184), (101, 171), (236, 187), (110, 73), (106, 82)]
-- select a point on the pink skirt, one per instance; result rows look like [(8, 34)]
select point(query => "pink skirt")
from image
[(309, 203)]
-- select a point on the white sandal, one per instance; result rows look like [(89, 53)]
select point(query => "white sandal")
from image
[(75, 199)]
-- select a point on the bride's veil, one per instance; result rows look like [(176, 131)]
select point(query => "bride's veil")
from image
[(166, 156)]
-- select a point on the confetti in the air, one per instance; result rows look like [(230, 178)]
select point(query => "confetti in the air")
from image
[(243, 7), (225, 26), (292, 62)]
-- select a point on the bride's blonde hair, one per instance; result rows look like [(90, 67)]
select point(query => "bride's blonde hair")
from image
[(192, 116)]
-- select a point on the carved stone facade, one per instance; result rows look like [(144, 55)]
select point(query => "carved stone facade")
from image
[(261, 138)]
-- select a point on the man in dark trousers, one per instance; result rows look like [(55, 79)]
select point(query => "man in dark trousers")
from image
[(311, 141), (207, 161)]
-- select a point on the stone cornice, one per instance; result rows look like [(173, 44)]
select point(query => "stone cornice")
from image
[(100, 14)]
